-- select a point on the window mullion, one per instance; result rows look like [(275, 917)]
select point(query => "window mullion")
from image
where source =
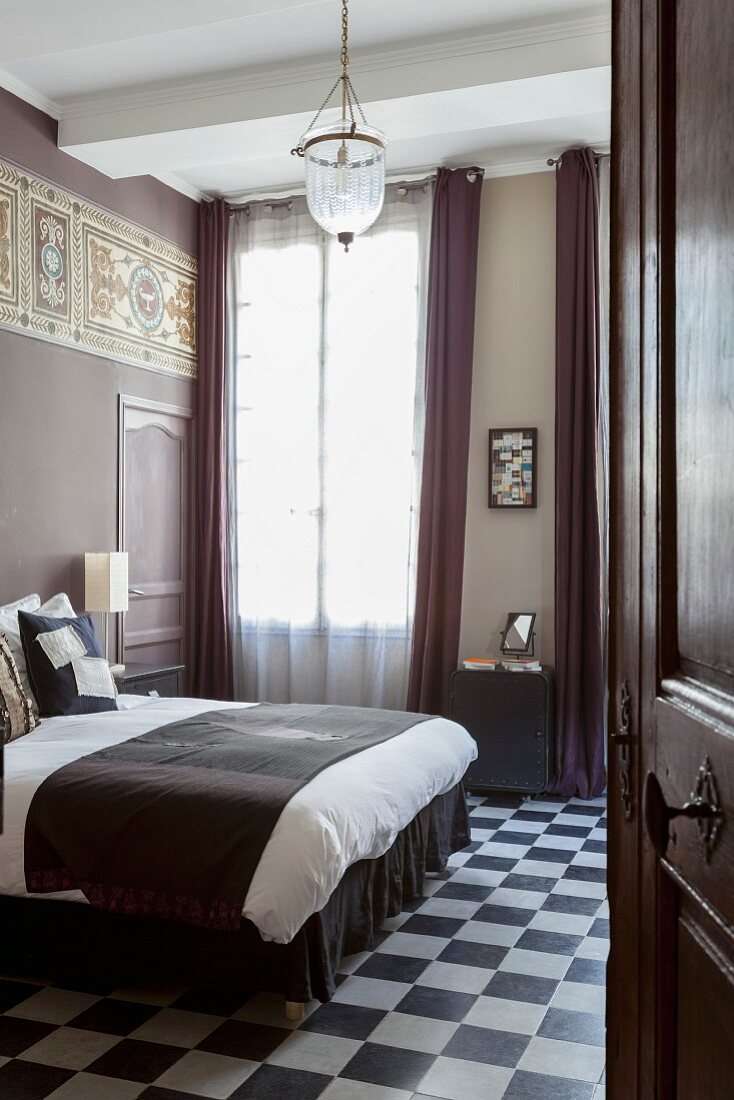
[(321, 566)]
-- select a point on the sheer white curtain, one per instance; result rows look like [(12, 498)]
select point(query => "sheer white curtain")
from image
[(326, 394)]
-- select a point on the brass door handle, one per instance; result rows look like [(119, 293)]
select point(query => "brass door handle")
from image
[(702, 806)]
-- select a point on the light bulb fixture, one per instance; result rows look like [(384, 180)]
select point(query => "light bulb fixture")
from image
[(344, 162)]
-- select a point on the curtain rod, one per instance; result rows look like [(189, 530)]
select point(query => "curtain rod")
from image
[(557, 160), (472, 174)]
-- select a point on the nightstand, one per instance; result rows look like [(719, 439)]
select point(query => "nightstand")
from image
[(139, 679), (510, 716)]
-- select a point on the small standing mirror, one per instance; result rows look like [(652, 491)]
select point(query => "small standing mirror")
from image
[(518, 637)]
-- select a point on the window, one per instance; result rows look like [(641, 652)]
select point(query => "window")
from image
[(328, 393)]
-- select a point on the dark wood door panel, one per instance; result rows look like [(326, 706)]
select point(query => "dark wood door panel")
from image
[(690, 743), (624, 780), (705, 1015), (704, 336), (671, 967)]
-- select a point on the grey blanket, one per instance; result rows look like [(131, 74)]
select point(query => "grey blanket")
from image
[(173, 823)]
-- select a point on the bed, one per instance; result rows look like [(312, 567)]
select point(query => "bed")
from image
[(348, 850)]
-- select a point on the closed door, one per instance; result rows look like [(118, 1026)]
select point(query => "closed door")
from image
[(155, 530), (671, 788)]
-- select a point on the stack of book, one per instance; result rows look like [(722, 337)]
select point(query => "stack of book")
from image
[(480, 664), (521, 664)]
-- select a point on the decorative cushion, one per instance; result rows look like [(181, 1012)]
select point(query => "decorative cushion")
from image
[(58, 606), (16, 713), (9, 627), (56, 689)]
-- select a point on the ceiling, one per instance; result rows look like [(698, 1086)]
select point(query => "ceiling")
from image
[(211, 96)]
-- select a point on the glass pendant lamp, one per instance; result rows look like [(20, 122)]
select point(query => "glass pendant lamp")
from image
[(344, 161)]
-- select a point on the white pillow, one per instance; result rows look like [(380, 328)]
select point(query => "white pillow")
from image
[(25, 603), (9, 627), (58, 607)]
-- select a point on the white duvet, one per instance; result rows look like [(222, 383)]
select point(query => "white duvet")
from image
[(352, 810)]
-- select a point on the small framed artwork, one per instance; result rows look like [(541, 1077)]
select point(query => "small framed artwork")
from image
[(513, 467)]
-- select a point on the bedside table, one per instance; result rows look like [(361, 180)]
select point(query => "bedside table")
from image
[(139, 679), (510, 716)]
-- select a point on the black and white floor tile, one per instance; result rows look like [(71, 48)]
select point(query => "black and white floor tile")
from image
[(491, 986)]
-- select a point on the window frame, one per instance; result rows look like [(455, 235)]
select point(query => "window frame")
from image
[(321, 626)]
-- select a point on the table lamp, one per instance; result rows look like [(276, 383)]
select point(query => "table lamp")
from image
[(105, 588)]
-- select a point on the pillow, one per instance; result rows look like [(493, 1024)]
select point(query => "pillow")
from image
[(58, 605), (25, 603), (16, 713), (9, 627), (76, 687)]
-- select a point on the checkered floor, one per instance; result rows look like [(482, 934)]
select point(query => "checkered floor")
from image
[(491, 986)]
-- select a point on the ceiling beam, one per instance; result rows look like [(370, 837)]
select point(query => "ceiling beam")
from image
[(502, 56)]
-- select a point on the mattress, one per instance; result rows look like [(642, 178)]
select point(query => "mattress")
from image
[(351, 811)]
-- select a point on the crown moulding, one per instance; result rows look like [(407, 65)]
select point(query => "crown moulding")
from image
[(275, 76)]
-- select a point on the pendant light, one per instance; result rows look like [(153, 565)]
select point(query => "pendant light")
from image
[(344, 162)]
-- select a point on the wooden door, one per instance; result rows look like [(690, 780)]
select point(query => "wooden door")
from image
[(671, 874), (155, 529)]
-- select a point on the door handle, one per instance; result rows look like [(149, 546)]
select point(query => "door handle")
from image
[(135, 592), (702, 807)]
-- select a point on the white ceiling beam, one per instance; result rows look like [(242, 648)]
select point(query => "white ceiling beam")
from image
[(493, 58), (495, 107)]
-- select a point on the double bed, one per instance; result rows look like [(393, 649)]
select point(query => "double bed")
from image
[(349, 848)]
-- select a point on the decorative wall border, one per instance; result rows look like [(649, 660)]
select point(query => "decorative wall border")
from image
[(76, 274)]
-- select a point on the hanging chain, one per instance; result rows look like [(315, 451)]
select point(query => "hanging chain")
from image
[(356, 100), (349, 96), (345, 37)]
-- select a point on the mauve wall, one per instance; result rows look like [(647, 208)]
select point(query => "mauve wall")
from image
[(58, 406)]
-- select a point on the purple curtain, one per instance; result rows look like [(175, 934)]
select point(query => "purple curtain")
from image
[(449, 352), (578, 636), (213, 664)]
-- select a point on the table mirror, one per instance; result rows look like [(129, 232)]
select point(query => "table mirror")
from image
[(518, 637)]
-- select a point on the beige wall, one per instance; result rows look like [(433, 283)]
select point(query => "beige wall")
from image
[(509, 560)]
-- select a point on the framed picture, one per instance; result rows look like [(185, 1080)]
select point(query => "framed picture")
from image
[(513, 467)]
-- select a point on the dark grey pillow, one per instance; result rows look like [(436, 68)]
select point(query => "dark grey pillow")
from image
[(56, 689)]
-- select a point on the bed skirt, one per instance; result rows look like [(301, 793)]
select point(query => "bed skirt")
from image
[(55, 939)]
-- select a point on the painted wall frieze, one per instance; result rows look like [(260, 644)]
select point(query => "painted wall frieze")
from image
[(74, 273)]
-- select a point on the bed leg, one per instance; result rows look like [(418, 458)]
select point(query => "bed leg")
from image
[(294, 1010)]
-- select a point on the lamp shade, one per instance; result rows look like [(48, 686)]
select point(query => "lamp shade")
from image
[(345, 177), (105, 581)]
